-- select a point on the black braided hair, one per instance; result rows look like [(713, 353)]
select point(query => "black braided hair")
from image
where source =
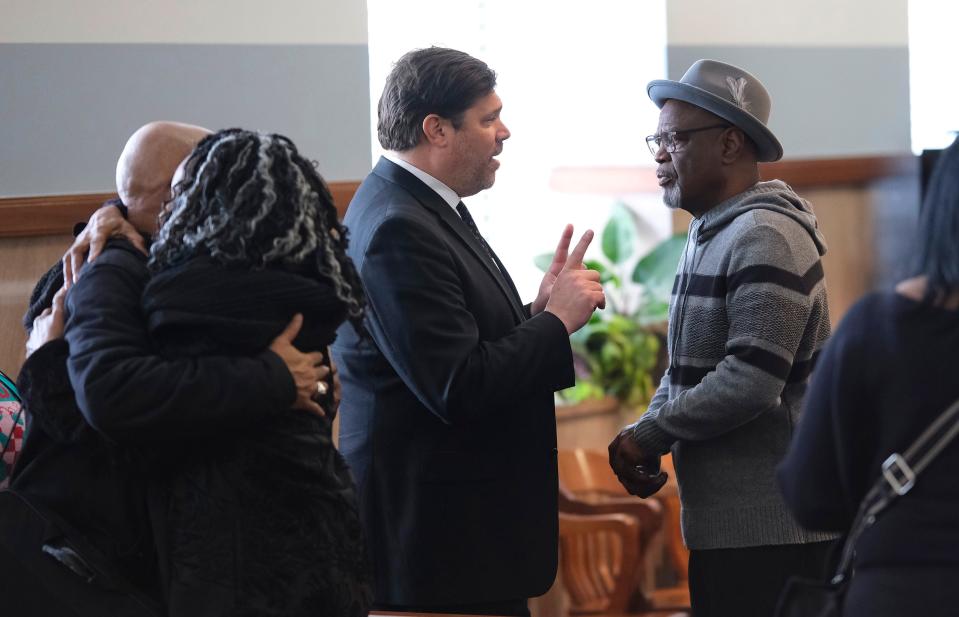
[(250, 199)]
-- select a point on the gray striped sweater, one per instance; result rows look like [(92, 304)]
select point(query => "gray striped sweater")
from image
[(747, 318)]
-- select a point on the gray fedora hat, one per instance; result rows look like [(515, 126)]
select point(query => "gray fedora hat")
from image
[(729, 92)]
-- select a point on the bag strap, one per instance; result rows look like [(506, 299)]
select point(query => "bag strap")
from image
[(899, 473)]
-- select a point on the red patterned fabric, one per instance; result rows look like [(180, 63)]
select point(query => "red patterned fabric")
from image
[(9, 414)]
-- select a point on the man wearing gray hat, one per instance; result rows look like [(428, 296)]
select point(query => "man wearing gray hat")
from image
[(747, 318)]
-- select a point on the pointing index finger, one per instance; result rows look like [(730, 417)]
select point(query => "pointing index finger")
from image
[(575, 260)]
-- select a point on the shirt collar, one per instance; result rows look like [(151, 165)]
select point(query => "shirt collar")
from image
[(446, 193)]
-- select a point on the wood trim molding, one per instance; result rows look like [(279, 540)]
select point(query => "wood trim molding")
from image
[(47, 215), (855, 171), (343, 194), (798, 173), (56, 214)]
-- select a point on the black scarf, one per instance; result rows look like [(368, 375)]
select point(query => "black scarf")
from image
[(202, 307)]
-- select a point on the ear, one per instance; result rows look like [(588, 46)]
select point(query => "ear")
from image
[(436, 130), (733, 144)]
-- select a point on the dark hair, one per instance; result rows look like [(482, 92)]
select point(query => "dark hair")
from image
[(939, 227), (438, 81), (250, 199)]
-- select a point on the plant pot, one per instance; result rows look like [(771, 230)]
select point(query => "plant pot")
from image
[(589, 424)]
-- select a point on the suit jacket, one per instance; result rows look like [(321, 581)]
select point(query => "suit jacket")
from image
[(447, 417)]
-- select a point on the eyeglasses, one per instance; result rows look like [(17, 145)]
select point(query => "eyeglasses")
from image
[(667, 139)]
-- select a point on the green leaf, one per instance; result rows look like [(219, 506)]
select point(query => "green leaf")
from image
[(543, 261), (619, 235), (657, 270)]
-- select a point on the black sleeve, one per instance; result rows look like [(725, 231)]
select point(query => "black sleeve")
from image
[(421, 322), (48, 398), (128, 393)]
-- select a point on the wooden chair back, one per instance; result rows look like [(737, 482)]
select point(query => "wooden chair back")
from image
[(599, 560), (587, 472), (588, 485)]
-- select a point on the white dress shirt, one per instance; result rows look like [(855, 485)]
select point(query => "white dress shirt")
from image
[(446, 193)]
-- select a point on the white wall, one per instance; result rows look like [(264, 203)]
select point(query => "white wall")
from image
[(77, 78), (825, 23), (837, 70), (183, 21)]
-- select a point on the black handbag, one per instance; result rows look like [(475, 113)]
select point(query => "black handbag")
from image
[(47, 568), (813, 598)]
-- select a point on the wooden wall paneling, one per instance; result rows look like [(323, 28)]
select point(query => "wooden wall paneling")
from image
[(56, 214), (22, 262), (34, 234), (846, 221), (798, 173), (810, 173), (47, 214)]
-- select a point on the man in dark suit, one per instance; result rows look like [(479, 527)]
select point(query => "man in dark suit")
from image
[(447, 415)]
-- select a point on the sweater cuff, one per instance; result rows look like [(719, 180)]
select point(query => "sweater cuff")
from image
[(649, 436)]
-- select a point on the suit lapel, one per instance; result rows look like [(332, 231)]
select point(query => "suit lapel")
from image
[(425, 195)]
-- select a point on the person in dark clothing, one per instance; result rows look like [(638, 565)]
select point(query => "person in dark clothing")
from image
[(254, 513), (89, 485), (448, 421), (889, 371)]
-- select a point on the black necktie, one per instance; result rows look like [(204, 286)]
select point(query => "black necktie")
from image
[(468, 219)]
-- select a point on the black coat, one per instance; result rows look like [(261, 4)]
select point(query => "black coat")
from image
[(447, 419), (88, 486), (887, 373), (71, 471), (253, 509)]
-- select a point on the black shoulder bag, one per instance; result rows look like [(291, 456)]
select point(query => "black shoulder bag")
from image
[(811, 598), (48, 568)]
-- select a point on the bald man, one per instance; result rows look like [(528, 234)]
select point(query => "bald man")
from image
[(144, 172), (81, 482)]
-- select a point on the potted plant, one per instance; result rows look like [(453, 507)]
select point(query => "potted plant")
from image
[(617, 352)]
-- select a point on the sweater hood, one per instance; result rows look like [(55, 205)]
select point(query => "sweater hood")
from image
[(774, 195)]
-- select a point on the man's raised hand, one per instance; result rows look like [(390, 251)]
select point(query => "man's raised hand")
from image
[(555, 267), (577, 292)]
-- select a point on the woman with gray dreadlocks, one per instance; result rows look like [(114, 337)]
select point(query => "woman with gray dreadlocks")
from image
[(257, 517)]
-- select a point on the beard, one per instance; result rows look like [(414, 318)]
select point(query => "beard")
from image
[(476, 182), (671, 197)]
